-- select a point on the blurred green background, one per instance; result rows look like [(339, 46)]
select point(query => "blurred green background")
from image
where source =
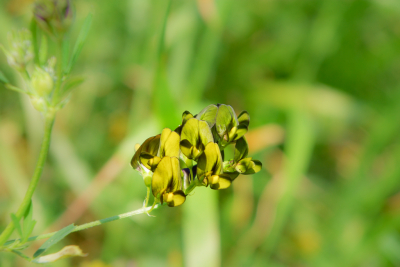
[(321, 81)]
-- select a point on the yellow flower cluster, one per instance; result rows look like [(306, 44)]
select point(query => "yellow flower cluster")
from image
[(173, 163)]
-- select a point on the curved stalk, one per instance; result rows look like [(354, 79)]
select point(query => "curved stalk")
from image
[(94, 223)]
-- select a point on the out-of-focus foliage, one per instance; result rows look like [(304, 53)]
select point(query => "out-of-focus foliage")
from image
[(321, 80)]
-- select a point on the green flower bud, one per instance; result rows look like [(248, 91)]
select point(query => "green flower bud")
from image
[(41, 82), (147, 180), (39, 103), (248, 166), (53, 15)]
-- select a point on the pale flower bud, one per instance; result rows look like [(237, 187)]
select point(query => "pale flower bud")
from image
[(20, 53), (41, 82), (38, 103)]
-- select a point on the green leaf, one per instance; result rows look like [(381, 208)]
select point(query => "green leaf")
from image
[(34, 32), (17, 224), (3, 78), (28, 230), (19, 253), (80, 42), (72, 83), (29, 223), (43, 50), (65, 48), (54, 239)]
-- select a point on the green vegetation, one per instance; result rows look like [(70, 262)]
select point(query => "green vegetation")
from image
[(320, 80)]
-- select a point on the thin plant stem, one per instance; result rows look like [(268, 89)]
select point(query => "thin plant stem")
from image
[(14, 88), (49, 121), (94, 223), (147, 197), (56, 93), (192, 186)]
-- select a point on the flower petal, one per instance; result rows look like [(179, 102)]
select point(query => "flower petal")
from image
[(210, 162), (162, 177), (224, 182), (241, 149), (208, 114), (244, 118), (150, 145), (178, 199), (169, 143), (225, 120)]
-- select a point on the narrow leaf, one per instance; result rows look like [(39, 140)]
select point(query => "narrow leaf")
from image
[(16, 224), (19, 253), (28, 230), (3, 78), (34, 31), (72, 83), (43, 50), (54, 239), (29, 223), (80, 41), (65, 52)]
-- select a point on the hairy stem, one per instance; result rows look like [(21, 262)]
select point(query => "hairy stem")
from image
[(94, 223), (35, 178)]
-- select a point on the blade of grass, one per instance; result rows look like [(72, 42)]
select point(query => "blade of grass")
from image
[(299, 146), (79, 42)]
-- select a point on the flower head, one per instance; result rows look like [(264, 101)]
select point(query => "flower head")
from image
[(175, 162)]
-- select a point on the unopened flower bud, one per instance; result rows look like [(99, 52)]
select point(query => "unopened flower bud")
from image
[(53, 15), (41, 82), (38, 103), (147, 181)]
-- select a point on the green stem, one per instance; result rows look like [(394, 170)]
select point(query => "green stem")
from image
[(35, 178), (14, 88), (192, 186), (94, 223), (147, 197), (56, 94)]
